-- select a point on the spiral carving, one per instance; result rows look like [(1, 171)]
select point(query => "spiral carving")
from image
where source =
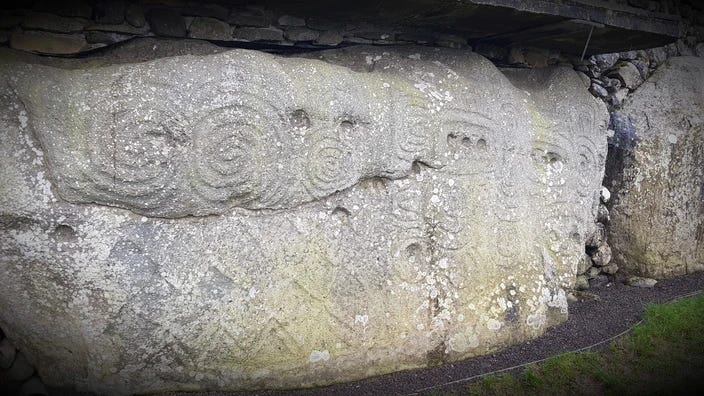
[(137, 165), (327, 169), (234, 157)]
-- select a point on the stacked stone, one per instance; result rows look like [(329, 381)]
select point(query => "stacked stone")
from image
[(17, 376), (596, 266), (56, 28)]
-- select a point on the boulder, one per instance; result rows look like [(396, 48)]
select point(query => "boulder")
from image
[(657, 213), (284, 222), (628, 74), (209, 29)]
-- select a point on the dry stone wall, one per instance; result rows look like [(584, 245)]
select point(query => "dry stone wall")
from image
[(47, 27), (243, 220)]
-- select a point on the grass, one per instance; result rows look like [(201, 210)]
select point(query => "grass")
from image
[(664, 355)]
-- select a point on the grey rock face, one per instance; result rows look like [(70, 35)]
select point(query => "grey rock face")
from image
[(657, 218), (242, 220)]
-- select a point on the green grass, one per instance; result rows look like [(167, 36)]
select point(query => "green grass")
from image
[(662, 356)]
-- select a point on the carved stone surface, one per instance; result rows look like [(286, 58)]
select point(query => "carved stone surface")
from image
[(657, 219), (244, 220)]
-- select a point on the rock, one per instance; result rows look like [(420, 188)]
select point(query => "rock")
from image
[(683, 49), (605, 195), (166, 22), (7, 354), (289, 20), (47, 43), (4, 36), (20, 370), (93, 37), (33, 387), (329, 37), (643, 68), (657, 56), (583, 295), (209, 29), (517, 57), (656, 219), (301, 34), (612, 84), (123, 28), (134, 15), (209, 10), (450, 40), (258, 34), (584, 264), (604, 61), (699, 50), (109, 12), (571, 298), (628, 55), (71, 8), (618, 97), (490, 51), (637, 281), (599, 281), (597, 237), (625, 134), (593, 272), (628, 74), (53, 23), (598, 90), (251, 227), (253, 17), (372, 33), (602, 214), (602, 256), (610, 269), (536, 57), (582, 283)]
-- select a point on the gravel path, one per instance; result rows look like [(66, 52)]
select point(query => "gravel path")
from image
[(616, 310)]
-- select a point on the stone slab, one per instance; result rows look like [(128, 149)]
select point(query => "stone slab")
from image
[(244, 220)]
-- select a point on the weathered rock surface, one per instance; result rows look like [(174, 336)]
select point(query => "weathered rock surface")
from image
[(242, 220), (657, 218)]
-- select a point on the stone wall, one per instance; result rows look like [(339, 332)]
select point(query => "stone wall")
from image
[(48, 27)]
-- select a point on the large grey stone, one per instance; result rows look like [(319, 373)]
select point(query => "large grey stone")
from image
[(657, 218), (47, 43), (210, 29), (245, 220)]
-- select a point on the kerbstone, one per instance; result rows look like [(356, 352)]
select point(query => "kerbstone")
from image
[(657, 217), (244, 220)]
